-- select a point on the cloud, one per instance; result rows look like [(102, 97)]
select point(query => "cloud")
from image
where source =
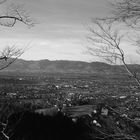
[(60, 33)]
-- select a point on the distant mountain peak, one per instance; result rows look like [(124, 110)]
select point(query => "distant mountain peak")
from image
[(64, 66)]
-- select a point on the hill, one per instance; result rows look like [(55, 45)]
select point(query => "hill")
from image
[(64, 66)]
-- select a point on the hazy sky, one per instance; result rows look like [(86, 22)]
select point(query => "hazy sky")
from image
[(61, 30)]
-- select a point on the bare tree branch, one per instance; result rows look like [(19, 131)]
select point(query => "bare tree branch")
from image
[(9, 55), (127, 11), (106, 41), (16, 13)]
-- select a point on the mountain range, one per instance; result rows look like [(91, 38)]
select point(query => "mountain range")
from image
[(64, 66)]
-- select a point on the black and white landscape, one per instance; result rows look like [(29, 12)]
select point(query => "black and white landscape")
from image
[(70, 70)]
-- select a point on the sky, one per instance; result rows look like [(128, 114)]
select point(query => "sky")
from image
[(61, 29)]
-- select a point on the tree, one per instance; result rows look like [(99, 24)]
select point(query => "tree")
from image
[(127, 11), (106, 34), (9, 55), (106, 41), (14, 14)]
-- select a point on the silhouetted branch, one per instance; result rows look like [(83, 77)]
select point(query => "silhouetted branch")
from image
[(9, 55), (16, 13), (106, 39), (127, 11)]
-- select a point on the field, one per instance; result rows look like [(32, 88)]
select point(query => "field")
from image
[(115, 97), (47, 90), (60, 88)]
